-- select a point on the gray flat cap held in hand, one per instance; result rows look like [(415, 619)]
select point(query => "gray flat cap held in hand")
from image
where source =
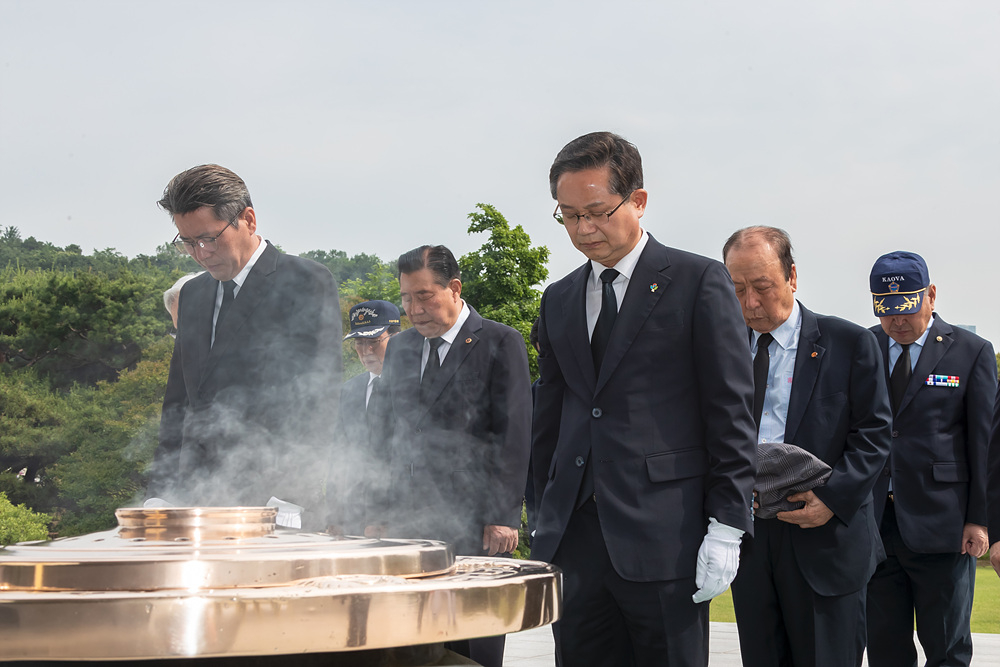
[(782, 470)]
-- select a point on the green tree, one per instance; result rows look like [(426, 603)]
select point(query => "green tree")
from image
[(30, 416), (343, 267), (500, 278), (113, 428), (79, 327), (20, 524)]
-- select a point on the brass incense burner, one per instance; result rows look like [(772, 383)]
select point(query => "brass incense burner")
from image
[(210, 583)]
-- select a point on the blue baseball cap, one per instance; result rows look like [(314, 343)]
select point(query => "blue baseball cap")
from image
[(898, 281), (370, 318)]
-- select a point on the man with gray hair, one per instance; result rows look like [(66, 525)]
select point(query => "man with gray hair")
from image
[(799, 595), (252, 391), (172, 295)]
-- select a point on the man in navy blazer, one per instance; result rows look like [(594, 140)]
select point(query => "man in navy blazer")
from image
[(993, 489), (800, 592), (356, 481), (931, 496), (643, 444), (460, 422), (251, 396)]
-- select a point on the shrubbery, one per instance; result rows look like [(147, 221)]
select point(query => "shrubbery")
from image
[(20, 524)]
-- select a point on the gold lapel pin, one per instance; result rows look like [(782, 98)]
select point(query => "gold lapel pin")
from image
[(814, 355), (468, 340), (939, 339)]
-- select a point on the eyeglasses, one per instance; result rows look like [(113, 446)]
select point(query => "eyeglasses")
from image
[(361, 344), (209, 243), (589, 217)]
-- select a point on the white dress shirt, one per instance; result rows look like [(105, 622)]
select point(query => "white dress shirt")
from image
[(780, 373), (240, 278), (595, 288), (447, 338)]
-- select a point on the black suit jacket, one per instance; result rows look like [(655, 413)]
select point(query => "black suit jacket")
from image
[(458, 463), (940, 439), (839, 411), (356, 460), (250, 416), (666, 423), (993, 477)]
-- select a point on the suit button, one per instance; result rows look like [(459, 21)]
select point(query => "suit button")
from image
[(895, 434), (596, 413), (579, 461)]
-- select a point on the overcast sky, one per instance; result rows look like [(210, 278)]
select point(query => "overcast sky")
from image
[(859, 127)]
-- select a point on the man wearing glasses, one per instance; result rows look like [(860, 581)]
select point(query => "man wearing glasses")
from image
[(643, 443), (252, 390), (354, 481)]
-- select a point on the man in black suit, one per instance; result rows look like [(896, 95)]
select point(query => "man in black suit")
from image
[(459, 423), (252, 389), (993, 489), (800, 592), (356, 478), (643, 442), (931, 497)]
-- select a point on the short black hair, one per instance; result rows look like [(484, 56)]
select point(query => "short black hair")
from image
[(437, 258), (597, 150)]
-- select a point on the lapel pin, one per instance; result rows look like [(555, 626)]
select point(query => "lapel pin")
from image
[(814, 355), (939, 339), (654, 287), (468, 340)]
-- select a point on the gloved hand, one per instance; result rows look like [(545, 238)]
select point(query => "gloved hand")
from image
[(718, 560), (289, 514)]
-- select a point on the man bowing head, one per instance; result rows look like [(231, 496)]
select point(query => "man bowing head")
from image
[(643, 441)]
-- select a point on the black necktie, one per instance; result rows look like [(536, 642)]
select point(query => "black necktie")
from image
[(900, 377), (374, 401), (228, 295), (606, 320), (432, 368), (761, 366)]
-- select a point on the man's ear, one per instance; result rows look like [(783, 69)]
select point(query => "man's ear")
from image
[(250, 218), (455, 285)]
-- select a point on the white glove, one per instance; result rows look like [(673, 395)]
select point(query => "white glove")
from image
[(718, 560), (289, 514)]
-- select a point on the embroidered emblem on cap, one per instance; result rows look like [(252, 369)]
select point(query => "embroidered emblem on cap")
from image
[(909, 303), (879, 308)]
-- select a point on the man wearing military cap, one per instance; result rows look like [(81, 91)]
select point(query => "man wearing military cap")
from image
[(353, 480), (931, 496)]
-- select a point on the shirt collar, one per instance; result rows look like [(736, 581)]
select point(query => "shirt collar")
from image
[(452, 333), (918, 342), (786, 335), (625, 265), (242, 275)]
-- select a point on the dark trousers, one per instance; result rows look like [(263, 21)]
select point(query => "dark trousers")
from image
[(937, 587), (486, 651), (781, 621), (608, 621)]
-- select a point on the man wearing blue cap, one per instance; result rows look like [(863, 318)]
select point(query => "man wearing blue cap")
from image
[(931, 496), (353, 481)]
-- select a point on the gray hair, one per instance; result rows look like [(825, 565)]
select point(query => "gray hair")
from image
[(171, 295)]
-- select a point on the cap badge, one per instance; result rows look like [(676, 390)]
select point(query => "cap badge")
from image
[(893, 287)]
